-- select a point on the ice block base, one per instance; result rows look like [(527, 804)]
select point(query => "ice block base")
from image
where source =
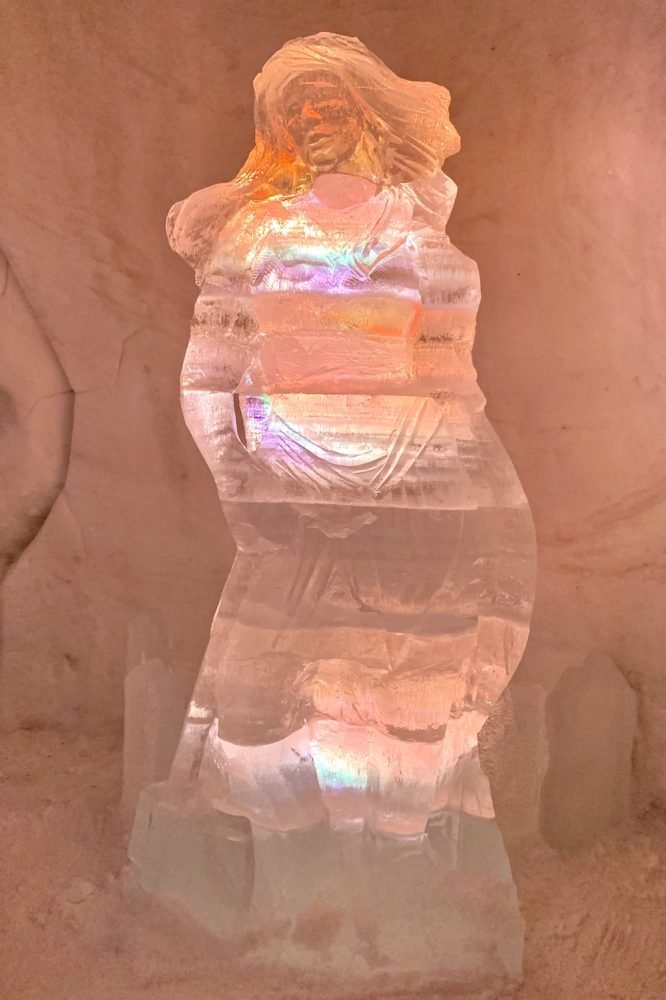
[(443, 905)]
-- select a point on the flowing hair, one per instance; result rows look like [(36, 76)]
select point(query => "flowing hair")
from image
[(406, 131)]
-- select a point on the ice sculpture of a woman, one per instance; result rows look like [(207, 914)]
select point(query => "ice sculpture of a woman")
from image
[(380, 597)]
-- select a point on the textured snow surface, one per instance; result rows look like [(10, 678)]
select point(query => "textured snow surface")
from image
[(74, 926)]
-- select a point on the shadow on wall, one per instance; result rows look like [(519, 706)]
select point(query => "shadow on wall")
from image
[(36, 419)]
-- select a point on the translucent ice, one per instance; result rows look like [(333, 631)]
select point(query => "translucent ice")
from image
[(591, 718), (381, 593), (154, 704), (514, 748)]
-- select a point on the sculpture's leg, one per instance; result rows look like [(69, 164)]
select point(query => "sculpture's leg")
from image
[(414, 616), (358, 766), (381, 699), (202, 708), (373, 780)]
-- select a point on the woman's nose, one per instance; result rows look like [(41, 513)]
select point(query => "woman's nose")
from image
[(310, 113)]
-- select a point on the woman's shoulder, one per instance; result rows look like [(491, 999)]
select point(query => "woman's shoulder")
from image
[(432, 199), (195, 226)]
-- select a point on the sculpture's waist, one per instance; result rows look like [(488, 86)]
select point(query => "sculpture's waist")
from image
[(388, 315), (330, 343), (404, 450)]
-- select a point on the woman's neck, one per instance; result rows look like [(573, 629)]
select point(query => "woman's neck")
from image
[(340, 190)]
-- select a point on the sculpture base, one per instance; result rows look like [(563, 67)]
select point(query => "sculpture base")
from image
[(442, 906)]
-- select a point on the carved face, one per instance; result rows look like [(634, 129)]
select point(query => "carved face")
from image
[(323, 120)]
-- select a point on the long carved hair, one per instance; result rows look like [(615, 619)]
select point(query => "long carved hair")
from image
[(406, 132)]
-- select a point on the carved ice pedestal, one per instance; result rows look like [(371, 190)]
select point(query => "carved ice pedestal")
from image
[(442, 906), (326, 803)]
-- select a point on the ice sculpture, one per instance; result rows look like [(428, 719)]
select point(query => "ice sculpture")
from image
[(380, 597)]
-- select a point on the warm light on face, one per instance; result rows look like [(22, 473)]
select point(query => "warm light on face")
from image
[(322, 120)]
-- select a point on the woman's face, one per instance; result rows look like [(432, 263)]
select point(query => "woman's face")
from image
[(322, 119)]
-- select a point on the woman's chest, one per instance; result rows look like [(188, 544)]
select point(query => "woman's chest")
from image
[(305, 247)]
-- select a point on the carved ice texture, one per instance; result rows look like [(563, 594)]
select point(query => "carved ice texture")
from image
[(591, 720), (154, 704), (380, 597), (514, 754)]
